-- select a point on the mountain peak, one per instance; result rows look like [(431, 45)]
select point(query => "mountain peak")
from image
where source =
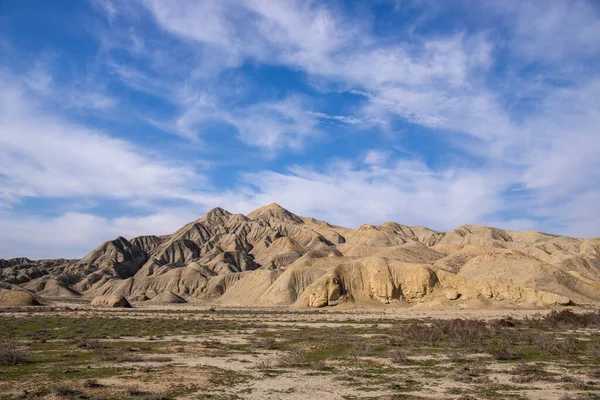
[(273, 207), (217, 211), (216, 215), (275, 211)]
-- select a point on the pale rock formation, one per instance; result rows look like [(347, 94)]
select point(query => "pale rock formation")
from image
[(17, 298), (167, 297), (111, 301), (273, 257)]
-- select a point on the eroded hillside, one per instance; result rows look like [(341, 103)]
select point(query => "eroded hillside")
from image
[(272, 257)]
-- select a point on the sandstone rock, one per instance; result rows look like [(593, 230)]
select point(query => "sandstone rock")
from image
[(111, 301), (17, 298), (167, 298), (138, 298), (48, 287)]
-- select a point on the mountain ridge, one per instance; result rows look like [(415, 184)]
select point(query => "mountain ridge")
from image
[(232, 258)]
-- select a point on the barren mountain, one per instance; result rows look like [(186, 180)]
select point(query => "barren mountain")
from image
[(272, 257)]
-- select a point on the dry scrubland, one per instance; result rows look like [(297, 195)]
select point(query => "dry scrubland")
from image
[(187, 352)]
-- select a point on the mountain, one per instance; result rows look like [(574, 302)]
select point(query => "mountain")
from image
[(273, 257)]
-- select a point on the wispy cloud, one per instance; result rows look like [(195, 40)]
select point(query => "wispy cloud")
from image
[(551, 33), (277, 125), (74, 234), (44, 155), (344, 119), (351, 193)]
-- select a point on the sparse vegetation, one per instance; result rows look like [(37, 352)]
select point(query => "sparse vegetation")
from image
[(11, 353), (493, 359), (475, 373), (400, 357), (65, 390), (91, 383)]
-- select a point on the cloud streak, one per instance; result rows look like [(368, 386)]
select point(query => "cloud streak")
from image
[(43, 155)]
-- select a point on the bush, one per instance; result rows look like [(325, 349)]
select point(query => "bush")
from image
[(91, 383), (593, 350), (555, 346), (89, 344), (11, 353), (456, 333), (416, 332), (400, 357), (461, 332), (524, 373), (576, 383), (595, 374), (567, 318), (471, 374), (505, 353), (362, 349), (134, 390), (266, 342), (68, 278), (294, 359), (65, 390)]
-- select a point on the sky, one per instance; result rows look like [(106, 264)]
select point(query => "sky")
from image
[(136, 117)]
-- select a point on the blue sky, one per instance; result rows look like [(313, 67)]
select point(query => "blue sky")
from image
[(135, 117)]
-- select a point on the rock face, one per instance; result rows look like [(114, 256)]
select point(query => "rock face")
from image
[(17, 298), (111, 301), (50, 288), (272, 257), (167, 298)]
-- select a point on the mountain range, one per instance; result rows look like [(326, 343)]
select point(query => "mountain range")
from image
[(275, 258)]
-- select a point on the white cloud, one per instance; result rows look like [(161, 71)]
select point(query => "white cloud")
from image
[(42, 155), (80, 93), (263, 30), (427, 81), (344, 119), (73, 235), (552, 32), (408, 192), (376, 157), (277, 125), (271, 125)]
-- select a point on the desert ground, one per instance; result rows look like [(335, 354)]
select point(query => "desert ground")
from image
[(75, 351)]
